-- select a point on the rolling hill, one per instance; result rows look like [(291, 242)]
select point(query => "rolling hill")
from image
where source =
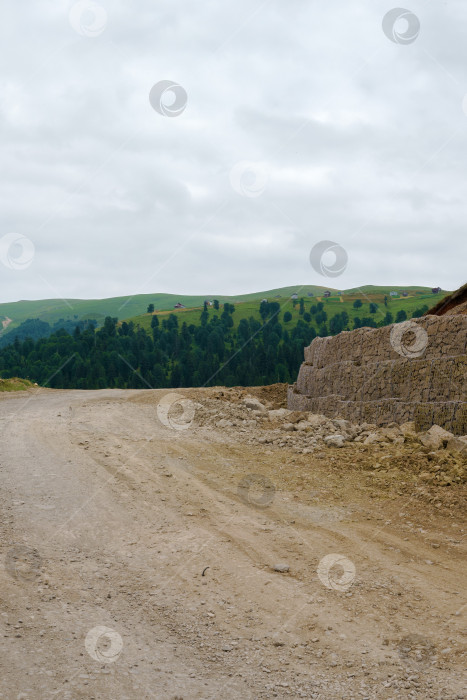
[(244, 309), (51, 311)]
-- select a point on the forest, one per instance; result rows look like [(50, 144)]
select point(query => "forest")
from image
[(213, 352)]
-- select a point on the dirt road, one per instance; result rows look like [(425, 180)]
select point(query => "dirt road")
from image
[(138, 562)]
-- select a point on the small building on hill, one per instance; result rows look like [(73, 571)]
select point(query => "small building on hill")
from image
[(436, 290), (310, 294), (393, 294), (327, 294), (294, 296), (404, 293), (179, 306)]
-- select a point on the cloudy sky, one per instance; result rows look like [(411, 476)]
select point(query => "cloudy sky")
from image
[(294, 123)]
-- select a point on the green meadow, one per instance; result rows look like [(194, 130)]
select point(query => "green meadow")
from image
[(332, 305)]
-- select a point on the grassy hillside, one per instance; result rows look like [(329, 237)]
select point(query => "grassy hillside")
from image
[(53, 310), (15, 384), (332, 305)]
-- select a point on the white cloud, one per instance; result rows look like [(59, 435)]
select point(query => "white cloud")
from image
[(362, 139)]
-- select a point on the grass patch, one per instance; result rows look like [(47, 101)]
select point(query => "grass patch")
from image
[(15, 384)]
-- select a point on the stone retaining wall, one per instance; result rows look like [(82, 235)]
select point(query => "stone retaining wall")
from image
[(376, 375)]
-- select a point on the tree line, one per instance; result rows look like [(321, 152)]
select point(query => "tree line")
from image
[(170, 354)]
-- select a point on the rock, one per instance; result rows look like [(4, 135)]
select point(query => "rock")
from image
[(392, 434), (375, 438), (457, 445), (408, 428), (288, 427), (296, 417), (435, 438), (369, 427), (227, 647), (224, 423), (303, 425), (249, 423), (343, 425), (279, 413), (317, 420), (335, 440), (254, 404), (281, 568)]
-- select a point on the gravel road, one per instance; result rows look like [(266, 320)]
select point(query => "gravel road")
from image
[(143, 561)]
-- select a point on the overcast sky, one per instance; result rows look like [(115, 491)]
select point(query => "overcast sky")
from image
[(296, 121)]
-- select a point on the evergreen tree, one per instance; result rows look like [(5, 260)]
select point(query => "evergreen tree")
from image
[(401, 316)]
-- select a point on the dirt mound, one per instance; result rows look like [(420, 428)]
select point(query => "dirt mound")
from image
[(273, 396), (453, 304)]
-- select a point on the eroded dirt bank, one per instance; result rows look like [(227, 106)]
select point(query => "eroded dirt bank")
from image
[(110, 514)]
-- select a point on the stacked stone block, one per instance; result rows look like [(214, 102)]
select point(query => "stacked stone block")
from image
[(365, 376)]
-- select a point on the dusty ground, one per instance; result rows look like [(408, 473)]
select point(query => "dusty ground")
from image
[(110, 514)]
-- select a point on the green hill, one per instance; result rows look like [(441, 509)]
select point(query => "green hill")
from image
[(417, 298), (12, 314)]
